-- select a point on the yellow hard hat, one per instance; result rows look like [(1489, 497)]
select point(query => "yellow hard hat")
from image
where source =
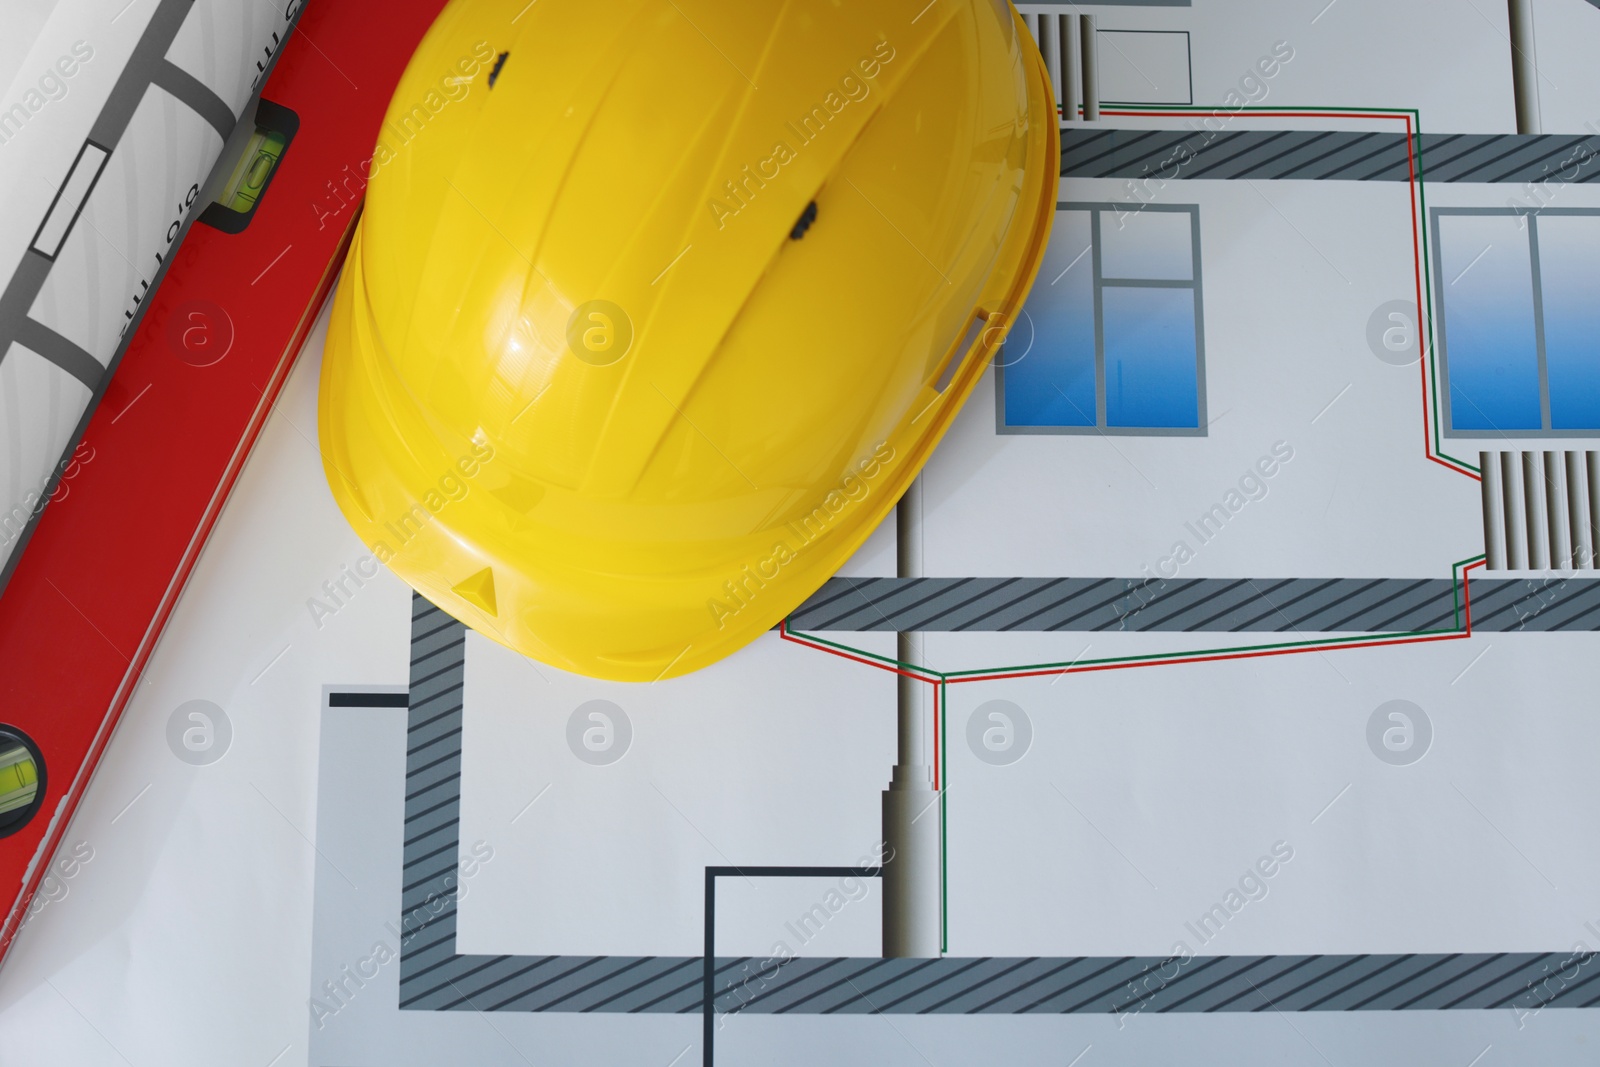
[(657, 306)]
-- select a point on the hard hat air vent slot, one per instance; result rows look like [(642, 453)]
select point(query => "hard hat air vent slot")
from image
[(499, 62), (958, 355), (803, 223)]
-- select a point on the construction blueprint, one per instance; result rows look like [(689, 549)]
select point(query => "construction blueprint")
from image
[(1255, 605)]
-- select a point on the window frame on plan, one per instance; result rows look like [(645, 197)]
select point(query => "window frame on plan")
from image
[(1441, 284), (1023, 332)]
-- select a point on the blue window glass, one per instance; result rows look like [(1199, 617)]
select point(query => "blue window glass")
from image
[(1146, 245), (1150, 358), (1053, 384), (1116, 340), (1489, 329), (1569, 284), (1519, 329)]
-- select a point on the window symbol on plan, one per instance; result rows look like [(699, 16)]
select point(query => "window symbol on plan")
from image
[(1117, 338), (1519, 320)]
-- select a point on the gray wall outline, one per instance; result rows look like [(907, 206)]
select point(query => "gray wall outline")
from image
[(433, 977), (1318, 155)]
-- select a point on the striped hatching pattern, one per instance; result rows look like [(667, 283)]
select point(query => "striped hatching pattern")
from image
[(432, 975), (1226, 605), (1130, 985), (1323, 155)]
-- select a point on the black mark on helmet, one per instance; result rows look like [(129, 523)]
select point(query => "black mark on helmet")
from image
[(807, 217)]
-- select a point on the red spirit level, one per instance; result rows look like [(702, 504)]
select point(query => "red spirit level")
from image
[(108, 558)]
